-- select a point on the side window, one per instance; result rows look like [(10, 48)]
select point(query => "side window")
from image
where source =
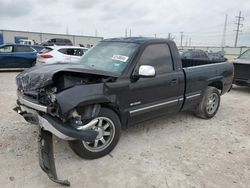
[(63, 51), (23, 49), (78, 52), (187, 55), (6, 49), (157, 55)]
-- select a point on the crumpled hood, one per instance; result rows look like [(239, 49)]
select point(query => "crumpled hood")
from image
[(42, 75)]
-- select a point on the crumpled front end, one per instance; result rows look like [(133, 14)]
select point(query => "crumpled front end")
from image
[(61, 103)]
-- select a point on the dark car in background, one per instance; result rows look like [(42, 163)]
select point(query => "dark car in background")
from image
[(57, 42), (216, 56), (18, 56), (196, 57), (194, 54), (242, 69)]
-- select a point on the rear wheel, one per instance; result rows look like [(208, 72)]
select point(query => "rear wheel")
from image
[(210, 103), (108, 127)]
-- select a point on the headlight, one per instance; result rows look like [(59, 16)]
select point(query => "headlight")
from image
[(52, 97)]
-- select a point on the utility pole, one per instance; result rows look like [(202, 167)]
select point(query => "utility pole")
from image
[(223, 41), (155, 35), (130, 32), (67, 30), (238, 25), (186, 44), (169, 36), (189, 41), (96, 32), (181, 38), (126, 33)]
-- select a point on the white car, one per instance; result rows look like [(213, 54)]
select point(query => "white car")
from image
[(62, 54)]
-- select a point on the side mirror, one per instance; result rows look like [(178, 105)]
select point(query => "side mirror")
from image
[(146, 71)]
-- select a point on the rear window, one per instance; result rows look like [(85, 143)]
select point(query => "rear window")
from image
[(45, 50), (72, 51), (245, 55), (23, 49)]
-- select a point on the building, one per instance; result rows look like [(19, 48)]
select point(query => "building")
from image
[(12, 36)]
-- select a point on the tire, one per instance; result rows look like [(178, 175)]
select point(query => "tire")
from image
[(210, 103), (33, 64), (106, 117)]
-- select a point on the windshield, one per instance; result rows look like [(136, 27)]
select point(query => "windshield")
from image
[(109, 56), (245, 55)]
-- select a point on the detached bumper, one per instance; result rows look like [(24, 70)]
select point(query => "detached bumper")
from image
[(38, 114)]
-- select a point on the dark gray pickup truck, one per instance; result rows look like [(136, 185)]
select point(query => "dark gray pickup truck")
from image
[(118, 83)]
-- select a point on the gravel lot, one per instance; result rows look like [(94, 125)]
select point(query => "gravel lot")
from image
[(177, 151)]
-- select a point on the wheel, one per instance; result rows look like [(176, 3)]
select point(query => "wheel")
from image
[(33, 64), (109, 129), (210, 103)]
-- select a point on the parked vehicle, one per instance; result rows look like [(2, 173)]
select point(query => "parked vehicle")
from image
[(119, 82), (17, 56), (194, 54), (27, 42), (62, 54), (58, 42), (242, 69), (198, 57), (216, 56)]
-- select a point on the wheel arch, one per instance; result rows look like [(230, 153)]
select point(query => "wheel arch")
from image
[(217, 84)]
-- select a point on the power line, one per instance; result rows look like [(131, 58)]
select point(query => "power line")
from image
[(238, 25)]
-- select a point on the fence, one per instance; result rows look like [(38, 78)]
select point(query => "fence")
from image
[(230, 52)]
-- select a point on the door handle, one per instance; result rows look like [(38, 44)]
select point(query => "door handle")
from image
[(173, 82)]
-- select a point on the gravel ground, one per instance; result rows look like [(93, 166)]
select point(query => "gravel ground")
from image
[(177, 151)]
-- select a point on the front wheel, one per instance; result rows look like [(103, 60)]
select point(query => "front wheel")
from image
[(210, 103), (108, 127)]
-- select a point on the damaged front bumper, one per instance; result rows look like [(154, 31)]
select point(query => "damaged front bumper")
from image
[(38, 114)]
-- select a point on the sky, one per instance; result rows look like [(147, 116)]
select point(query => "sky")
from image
[(200, 20)]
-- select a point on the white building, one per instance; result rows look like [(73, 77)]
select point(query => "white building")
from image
[(11, 36)]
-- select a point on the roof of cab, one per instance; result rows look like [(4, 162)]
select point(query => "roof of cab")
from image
[(137, 40)]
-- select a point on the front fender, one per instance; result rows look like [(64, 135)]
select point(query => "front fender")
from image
[(81, 95)]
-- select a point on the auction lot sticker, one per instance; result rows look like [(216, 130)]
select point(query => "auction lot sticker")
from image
[(121, 58)]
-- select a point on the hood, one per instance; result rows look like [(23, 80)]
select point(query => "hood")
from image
[(42, 75), (241, 61)]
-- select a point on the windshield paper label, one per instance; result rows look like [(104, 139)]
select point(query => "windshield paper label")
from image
[(121, 58)]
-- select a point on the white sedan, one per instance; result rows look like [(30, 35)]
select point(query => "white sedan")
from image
[(62, 54)]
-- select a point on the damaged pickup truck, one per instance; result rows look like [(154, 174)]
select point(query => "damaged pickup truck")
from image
[(117, 83)]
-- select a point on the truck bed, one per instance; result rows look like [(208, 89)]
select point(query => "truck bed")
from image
[(198, 77)]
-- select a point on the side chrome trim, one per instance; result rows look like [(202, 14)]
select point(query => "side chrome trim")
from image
[(193, 96), (31, 104), (153, 106)]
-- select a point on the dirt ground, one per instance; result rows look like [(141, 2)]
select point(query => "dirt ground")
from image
[(169, 152)]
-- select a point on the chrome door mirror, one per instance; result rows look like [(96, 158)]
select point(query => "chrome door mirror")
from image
[(146, 71)]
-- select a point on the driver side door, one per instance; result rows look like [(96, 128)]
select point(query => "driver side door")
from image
[(158, 95)]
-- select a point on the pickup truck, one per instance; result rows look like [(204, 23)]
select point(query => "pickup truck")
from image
[(242, 69), (119, 82)]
